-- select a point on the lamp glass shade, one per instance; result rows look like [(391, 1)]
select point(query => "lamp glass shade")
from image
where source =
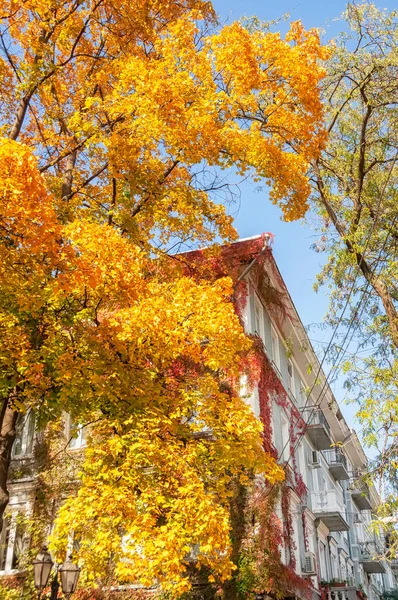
[(69, 575), (42, 566)]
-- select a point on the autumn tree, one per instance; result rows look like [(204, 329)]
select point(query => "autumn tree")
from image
[(355, 196), (116, 119)]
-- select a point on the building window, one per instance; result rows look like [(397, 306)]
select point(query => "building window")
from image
[(75, 433), (290, 381), (322, 561), (258, 318), (11, 544), (24, 439), (285, 440), (302, 394), (296, 535), (275, 349), (256, 402), (4, 540), (334, 563)]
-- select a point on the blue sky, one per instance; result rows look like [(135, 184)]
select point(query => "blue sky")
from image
[(313, 13), (299, 264)]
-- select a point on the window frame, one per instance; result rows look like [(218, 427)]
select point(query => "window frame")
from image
[(302, 400), (8, 540), (285, 438), (290, 377), (275, 355), (75, 442), (258, 309), (26, 436)]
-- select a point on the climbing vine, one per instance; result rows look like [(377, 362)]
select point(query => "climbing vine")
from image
[(261, 567), (268, 536), (260, 532)]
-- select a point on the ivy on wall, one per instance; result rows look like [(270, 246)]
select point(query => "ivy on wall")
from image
[(260, 534)]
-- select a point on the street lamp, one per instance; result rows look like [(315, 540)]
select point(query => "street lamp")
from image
[(69, 573), (42, 566), (69, 576)]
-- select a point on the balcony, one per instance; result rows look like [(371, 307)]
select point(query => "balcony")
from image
[(394, 565), (348, 592), (328, 508), (360, 493), (370, 552), (337, 464), (318, 428)]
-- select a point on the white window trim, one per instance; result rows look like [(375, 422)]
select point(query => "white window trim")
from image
[(290, 381), (275, 359), (9, 551), (303, 401), (258, 306), (285, 438), (23, 434), (74, 442)]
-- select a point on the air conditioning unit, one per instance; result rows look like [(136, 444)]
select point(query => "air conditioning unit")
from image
[(314, 459), (309, 566), (357, 518)]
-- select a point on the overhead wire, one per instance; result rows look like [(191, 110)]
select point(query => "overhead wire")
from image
[(355, 318), (317, 403)]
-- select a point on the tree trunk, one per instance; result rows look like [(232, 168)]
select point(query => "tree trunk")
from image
[(391, 312), (376, 282), (68, 177), (8, 420)]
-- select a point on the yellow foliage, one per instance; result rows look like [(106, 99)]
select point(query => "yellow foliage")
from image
[(125, 115), (154, 491), (151, 96)]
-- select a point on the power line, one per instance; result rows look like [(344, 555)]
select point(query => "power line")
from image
[(316, 406), (356, 317)]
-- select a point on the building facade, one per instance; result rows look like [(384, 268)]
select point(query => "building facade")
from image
[(343, 552), (334, 545)]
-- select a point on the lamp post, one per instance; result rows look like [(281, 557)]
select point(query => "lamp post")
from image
[(69, 574), (42, 566)]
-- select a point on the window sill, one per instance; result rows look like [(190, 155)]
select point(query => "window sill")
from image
[(29, 456), (10, 572)]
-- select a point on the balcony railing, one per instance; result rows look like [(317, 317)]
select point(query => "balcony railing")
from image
[(360, 493), (317, 427), (371, 555), (314, 416), (337, 463), (328, 507), (370, 547), (347, 592), (394, 564), (335, 457)]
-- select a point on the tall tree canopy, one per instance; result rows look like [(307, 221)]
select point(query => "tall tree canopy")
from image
[(355, 194), (114, 116)]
